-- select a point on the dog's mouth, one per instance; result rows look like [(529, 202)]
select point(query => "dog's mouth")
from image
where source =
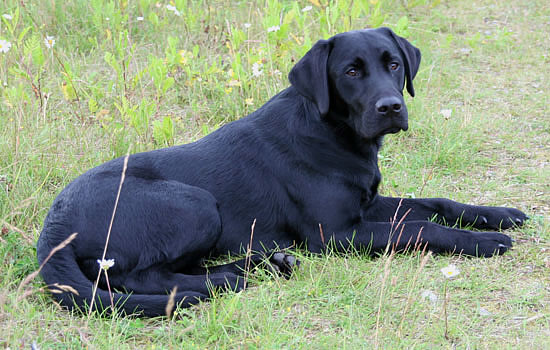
[(371, 131), (390, 130), (394, 125), (393, 130)]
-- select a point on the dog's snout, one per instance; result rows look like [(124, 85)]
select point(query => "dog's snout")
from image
[(387, 105)]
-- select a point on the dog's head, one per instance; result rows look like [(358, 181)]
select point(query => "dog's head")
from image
[(358, 78)]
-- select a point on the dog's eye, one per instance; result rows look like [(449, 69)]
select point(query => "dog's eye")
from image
[(394, 65), (352, 72)]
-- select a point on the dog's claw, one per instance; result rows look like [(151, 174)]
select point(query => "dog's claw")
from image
[(483, 219), (502, 248)]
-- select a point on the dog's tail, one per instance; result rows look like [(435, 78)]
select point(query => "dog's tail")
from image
[(74, 290)]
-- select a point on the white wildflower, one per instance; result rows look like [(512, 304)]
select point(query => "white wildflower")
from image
[(173, 9), (49, 41), (105, 264), (139, 18), (4, 46), (247, 25), (257, 69), (273, 29), (7, 16), (307, 8), (446, 113), (450, 271)]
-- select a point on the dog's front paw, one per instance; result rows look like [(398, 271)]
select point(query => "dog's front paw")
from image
[(487, 244), (495, 218), (283, 263)]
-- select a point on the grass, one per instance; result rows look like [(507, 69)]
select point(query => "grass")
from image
[(170, 79)]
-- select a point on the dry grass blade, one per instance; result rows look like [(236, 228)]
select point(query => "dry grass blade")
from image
[(394, 219), (122, 177), (171, 302), (109, 289), (18, 230), (322, 234), (396, 244), (60, 288), (394, 228), (249, 254), (418, 242), (401, 220)]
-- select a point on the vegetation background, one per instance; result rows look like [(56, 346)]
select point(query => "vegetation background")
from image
[(82, 82)]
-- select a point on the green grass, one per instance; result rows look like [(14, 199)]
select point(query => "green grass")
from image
[(113, 82)]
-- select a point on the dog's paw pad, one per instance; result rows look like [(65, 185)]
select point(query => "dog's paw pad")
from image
[(278, 258), (283, 263)]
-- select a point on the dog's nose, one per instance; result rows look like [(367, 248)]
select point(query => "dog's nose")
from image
[(387, 105)]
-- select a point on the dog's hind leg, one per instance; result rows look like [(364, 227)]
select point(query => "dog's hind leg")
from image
[(161, 228), (161, 281)]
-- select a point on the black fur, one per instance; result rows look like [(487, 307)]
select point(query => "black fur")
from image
[(307, 157)]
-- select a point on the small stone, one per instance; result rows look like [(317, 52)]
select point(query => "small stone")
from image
[(431, 296), (484, 312)]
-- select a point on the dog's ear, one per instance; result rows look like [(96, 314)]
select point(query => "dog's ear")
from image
[(411, 56), (310, 76)]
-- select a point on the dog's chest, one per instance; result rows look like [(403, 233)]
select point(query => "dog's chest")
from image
[(334, 197)]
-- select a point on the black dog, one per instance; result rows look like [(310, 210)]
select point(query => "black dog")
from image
[(307, 158)]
